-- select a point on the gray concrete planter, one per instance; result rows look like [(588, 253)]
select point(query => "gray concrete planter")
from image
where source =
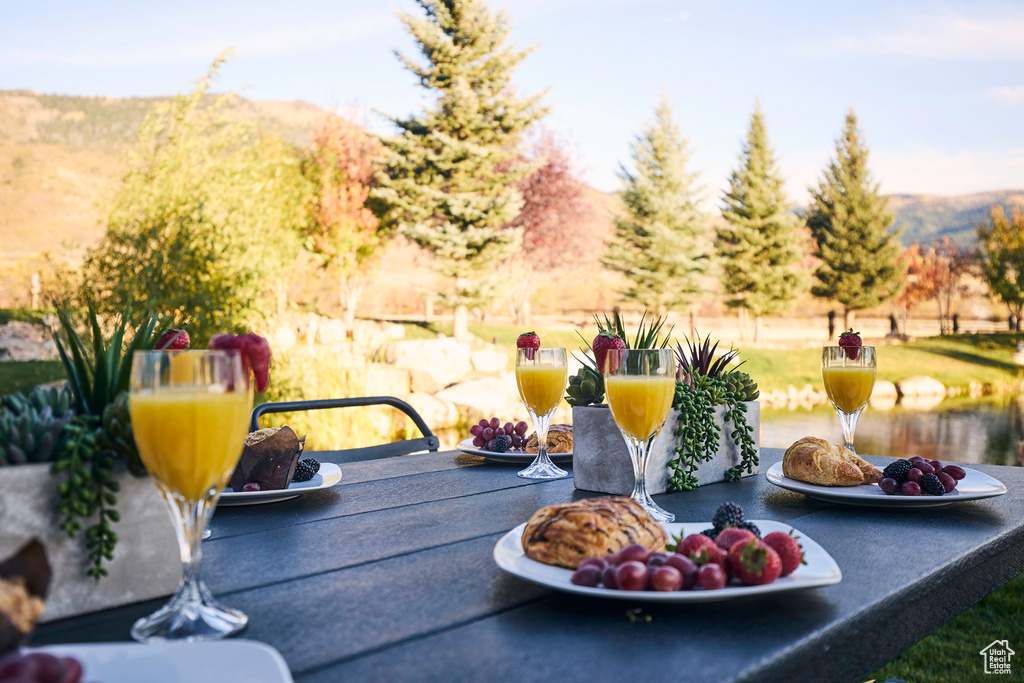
[(146, 563), (600, 461)]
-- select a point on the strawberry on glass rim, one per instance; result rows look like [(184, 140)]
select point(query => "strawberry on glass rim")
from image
[(851, 342), (528, 340), (255, 354)]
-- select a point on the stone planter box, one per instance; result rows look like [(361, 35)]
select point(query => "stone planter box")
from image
[(600, 461), (146, 563)]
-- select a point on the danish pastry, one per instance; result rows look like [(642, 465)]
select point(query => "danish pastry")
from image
[(559, 440), (818, 461)]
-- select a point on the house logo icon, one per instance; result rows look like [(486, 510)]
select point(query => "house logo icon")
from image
[(997, 656)]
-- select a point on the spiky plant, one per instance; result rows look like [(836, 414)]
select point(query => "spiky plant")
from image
[(698, 358)]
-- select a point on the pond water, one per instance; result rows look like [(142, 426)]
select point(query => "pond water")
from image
[(988, 431)]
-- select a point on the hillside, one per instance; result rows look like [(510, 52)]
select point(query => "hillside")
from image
[(926, 218)]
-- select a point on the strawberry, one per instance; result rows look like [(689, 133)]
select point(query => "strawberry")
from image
[(711, 554), (852, 342), (790, 551), (528, 340), (729, 537), (754, 563), (255, 354), (602, 343), (692, 544), (173, 339)]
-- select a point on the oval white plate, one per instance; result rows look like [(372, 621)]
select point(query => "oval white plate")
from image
[(975, 486), (515, 457), (328, 476), (225, 661), (820, 570)]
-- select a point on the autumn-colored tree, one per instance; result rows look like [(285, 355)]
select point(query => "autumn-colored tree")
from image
[(936, 272), (555, 220), (342, 234), (920, 284), (1001, 256)]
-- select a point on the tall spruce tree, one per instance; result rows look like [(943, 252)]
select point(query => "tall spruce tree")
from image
[(859, 252), (761, 241), (448, 177), (660, 244)]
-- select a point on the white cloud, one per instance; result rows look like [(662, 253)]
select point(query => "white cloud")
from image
[(949, 35), (1007, 94), (683, 16)]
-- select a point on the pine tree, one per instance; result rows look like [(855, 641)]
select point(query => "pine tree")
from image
[(849, 222), (449, 177), (660, 244), (761, 241)]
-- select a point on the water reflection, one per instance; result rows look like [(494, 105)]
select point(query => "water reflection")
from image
[(988, 431)]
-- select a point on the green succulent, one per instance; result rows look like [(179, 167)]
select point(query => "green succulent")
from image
[(741, 384), (32, 427), (585, 388)]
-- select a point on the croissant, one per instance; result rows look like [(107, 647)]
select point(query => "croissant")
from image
[(559, 440), (564, 535), (818, 461)]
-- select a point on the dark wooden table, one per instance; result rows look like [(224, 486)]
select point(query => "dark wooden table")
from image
[(389, 576)]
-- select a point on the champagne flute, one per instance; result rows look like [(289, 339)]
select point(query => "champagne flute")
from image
[(541, 375), (849, 378), (190, 414), (640, 384)]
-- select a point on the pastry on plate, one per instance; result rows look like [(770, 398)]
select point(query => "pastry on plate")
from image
[(821, 462), (563, 535), (559, 440)]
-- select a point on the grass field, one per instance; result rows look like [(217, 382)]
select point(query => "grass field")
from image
[(25, 375)]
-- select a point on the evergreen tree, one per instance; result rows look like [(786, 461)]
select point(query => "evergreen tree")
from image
[(761, 242), (659, 244), (1001, 256), (860, 254), (449, 177)]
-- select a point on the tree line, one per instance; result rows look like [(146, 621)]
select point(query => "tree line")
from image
[(212, 214)]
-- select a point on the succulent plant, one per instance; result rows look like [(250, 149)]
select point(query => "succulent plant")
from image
[(32, 427), (742, 385), (115, 434), (585, 388), (699, 359)]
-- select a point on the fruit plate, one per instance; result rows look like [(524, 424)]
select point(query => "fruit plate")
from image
[(226, 661), (328, 476), (820, 570), (515, 458), (975, 486)]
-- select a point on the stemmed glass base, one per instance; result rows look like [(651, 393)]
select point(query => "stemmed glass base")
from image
[(542, 467), (192, 613), (848, 421), (638, 453)]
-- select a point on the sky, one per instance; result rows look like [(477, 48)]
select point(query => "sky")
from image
[(938, 87)]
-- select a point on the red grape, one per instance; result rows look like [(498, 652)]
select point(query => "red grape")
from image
[(499, 432), (889, 486), (656, 559), (955, 471), (484, 423), (631, 576), (910, 488), (488, 434), (712, 577), (490, 445), (936, 465), (608, 577), (916, 459), (521, 428), (494, 423), (948, 482), (666, 579), (635, 553), (251, 486), (915, 475), (478, 441), (686, 567), (586, 576), (508, 427), (598, 562), (517, 441), (476, 430), (926, 468)]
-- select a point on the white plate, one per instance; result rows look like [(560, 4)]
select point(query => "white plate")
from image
[(975, 486), (820, 570), (515, 457), (224, 661), (328, 476)]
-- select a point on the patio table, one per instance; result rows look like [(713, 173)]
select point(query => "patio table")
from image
[(389, 576)]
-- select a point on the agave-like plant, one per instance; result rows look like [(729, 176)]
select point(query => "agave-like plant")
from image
[(699, 359)]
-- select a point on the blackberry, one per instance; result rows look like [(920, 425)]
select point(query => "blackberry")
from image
[(751, 527), (711, 533), (727, 514), (932, 485), (897, 470), (306, 469), (501, 443)]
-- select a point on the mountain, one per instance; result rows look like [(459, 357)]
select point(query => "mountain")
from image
[(926, 218)]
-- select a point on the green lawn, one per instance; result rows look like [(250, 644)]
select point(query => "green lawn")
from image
[(22, 376)]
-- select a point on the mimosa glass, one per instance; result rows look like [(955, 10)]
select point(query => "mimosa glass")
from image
[(541, 375), (848, 383), (190, 414), (640, 385)]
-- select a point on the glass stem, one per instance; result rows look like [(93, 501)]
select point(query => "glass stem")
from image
[(638, 452), (848, 421), (190, 519), (542, 424)]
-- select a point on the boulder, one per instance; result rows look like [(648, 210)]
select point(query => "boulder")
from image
[(488, 362), (446, 360), (884, 389), (920, 385), (21, 341), (424, 382), (387, 380), (485, 397), (283, 338), (436, 412)]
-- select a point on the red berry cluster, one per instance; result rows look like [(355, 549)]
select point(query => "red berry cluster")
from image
[(487, 435), (919, 476)]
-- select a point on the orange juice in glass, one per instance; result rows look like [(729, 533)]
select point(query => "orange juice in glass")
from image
[(540, 376), (640, 405), (849, 378), (190, 414)]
